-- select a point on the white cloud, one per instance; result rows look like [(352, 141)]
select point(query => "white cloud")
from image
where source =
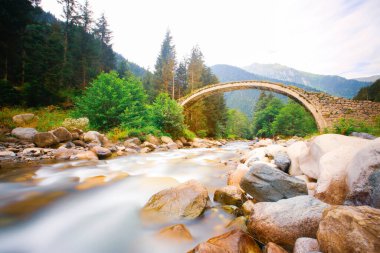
[(325, 36)]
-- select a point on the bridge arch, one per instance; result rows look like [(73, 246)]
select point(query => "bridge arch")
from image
[(292, 92)]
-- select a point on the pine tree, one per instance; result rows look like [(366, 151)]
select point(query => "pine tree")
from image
[(104, 35), (181, 79), (195, 69), (165, 66), (86, 22)]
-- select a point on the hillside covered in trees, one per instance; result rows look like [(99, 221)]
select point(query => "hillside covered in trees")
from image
[(371, 92)]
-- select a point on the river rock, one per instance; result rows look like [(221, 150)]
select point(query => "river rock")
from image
[(131, 145), (179, 143), (62, 134), (350, 229), (235, 241), (149, 145), (85, 155), (95, 137), (65, 153), (178, 232), (322, 144), (265, 183), (284, 221), (247, 207), (235, 176), (24, 133), (166, 139), (306, 245), (187, 200), (33, 152), (229, 195), (79, 143), (295, 151), (363, 135), (24, 119), (101, 152), (7, 154), (172, 146), (256, 155), (331, 185), (282, 161), (363, 177), (45, 139), (153, 139), (263, 143), (134, 140), (145, 150), (238, 223), (274, 248)]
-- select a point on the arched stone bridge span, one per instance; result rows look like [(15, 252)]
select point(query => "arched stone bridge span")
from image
[(324, 108)]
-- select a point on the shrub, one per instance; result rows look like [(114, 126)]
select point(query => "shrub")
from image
[(167, 115), (117, 134), (347, 126), (110, 100), (141, 133), (188, 135), (202, 133)]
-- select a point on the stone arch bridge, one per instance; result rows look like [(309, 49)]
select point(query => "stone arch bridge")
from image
[(325, 109)]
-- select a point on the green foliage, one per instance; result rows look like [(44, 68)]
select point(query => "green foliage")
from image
[(238, 125), (202, 133), (273, 117), (371, 92), (188, 135), (167, 115), (347, 126), (141, 133), (292, 120), (48, 118), (110, 101), (266, 110)]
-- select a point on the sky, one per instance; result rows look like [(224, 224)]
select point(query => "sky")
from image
[(334, 37)]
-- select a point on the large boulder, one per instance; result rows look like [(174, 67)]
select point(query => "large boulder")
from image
[(62, 134), (229, 195), (265, 183), (256, 155), (187, 200), (24, 119), (322, 144), (306, 245), (363, 135), (350, 229), (295, 151), (363, 176), (235, 241), (45, 139), (24, 133), (331, 185), (284, 221)]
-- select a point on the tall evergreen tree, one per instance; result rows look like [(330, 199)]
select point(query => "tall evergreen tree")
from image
[(165, 66), (181, 79), (86, 22), (195, 68), (104, 35)]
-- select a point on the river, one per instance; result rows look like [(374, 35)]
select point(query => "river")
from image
[(94, 207)]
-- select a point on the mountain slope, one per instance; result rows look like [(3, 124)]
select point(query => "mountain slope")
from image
[(334, 85), (368, 78)]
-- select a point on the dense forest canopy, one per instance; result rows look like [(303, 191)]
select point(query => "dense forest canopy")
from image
[(371, 92)]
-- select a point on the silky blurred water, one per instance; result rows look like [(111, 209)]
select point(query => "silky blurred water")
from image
[(68, 211)]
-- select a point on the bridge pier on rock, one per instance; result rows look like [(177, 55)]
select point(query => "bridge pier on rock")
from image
[(325, 109)]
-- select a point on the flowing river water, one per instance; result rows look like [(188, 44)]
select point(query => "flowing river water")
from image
[(94, 207)]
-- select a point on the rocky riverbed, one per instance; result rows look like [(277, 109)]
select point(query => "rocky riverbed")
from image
[(320, 195)]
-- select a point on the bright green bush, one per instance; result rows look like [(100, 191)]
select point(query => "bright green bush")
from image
[(167, 115), (347, 126), (141, 133), (188, 135), (292, 120), (110, 101)]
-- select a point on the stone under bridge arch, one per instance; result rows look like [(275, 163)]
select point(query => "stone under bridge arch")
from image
[(324, 108)]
